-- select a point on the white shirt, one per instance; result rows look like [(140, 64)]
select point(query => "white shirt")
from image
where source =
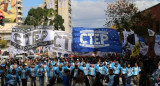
[(75, 72), (32, 72), (136, 70), (92, 71), (100, 70), (124, 71), (23, 74), (85, 70)]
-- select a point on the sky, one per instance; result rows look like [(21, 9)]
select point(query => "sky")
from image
[(88, 13)]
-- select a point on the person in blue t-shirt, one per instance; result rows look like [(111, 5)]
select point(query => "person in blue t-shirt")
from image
[(136, 71), (3, 75), (40, 74), (92, 74), (124, 74), (24, 75), (116, 69), (60, 71), (85, 70), (33, 72), (66, 78), (13, 79), (129, 75), (101, 69), (51, 72)]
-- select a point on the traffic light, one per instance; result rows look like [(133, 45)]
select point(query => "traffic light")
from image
[(2, 20)]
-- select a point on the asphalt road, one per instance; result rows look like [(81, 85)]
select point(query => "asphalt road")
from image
[(105, 84), (45, 84)]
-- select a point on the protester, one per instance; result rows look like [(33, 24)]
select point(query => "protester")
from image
[(33, 72), (2, 75), (92, 73), (75, 73), (66, 78), (136, 71), (111, 78), (124, 70), (80, 79), (129, 75), (13, 79), (66, 71), (116, 69), (24, 75), (41, 73), (98, 80)]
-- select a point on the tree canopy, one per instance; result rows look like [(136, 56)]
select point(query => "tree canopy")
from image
[(40, 16), (123, 14)]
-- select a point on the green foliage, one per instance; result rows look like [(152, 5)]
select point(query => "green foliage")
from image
[(141, 22), (41, 16), (125, 15), (3, 43), (58, 22)]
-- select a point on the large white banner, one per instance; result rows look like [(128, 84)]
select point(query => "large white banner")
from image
[(157, 45), (31, 38)]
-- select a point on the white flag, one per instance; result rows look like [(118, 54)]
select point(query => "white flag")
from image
[(125, 34), (157, 45), (143, 48), (151, 32)]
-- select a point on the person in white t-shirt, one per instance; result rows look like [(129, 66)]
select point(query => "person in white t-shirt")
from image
[(136, 69)]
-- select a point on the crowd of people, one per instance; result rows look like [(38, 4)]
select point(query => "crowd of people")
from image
[(76, 71)]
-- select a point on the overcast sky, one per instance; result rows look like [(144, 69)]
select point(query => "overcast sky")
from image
[(89, 13)]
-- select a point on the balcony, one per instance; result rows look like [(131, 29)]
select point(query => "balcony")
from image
[(19, 16), (19, 5)]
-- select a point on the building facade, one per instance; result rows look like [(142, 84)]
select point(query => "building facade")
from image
[(155, 10), (6, 30), (63, 8), (19, 12)]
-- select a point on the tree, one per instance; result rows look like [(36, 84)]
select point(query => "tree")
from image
[(44, 16), (58, 22), (3, 43), (125, 15)]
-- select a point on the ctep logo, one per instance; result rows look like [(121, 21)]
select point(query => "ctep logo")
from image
[(93, 39)]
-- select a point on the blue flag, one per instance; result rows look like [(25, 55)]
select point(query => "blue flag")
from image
[(99, 39)]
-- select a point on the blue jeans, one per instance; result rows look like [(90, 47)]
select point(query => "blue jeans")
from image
[(33, 81), (124, 79), (129, 80), (41, 81)]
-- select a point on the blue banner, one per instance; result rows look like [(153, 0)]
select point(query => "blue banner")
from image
[(95, 39)]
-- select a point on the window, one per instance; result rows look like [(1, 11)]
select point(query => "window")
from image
[(19, 18), (19, 2), (157, 26), (19, 8), (19, 13)]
